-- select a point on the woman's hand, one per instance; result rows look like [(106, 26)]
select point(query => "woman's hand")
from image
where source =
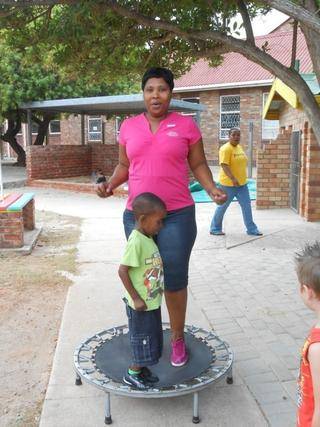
[(235, 182), (218, 196), (139, 304), (104, 189)]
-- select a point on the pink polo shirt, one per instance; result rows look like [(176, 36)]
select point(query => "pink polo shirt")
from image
[(158, 162)]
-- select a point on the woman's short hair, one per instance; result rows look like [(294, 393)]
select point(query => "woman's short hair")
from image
[(308, 266), (158, 73)]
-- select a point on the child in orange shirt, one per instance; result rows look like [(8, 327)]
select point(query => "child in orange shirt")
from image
[(308, 270)]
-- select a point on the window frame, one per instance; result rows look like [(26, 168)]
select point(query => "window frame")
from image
[(54, 133), (263, 121), (95, 132), (224, 138), (196, 114)]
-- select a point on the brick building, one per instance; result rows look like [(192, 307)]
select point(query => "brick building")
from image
[(288, 172)]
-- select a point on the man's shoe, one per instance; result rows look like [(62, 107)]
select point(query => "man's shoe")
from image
[(255, 233), (148, 376), (135, 381), (217, 233), (179, 355)]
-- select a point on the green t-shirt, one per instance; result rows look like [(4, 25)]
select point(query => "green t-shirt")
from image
[(146, 270)]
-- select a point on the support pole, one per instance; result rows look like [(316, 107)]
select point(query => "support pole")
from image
[(1, 183), (250, 150), (107, 418), (195, 418), (29, 128), (82, 129)]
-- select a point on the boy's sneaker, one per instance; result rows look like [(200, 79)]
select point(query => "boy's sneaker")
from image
[(135, 381), (148, 376), (179, 355)]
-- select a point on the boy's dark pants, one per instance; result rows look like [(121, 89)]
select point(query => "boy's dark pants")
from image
[(146, 337)]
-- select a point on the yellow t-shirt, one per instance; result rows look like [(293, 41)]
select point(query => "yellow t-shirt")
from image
[(236, 159)]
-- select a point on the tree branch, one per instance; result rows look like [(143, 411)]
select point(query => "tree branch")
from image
[(294, 44), (253, 53), (297, 12), (246, 21)]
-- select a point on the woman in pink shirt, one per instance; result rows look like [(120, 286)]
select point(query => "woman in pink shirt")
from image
[(155, 150)]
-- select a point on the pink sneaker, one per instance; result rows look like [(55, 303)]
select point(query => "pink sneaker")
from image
[(179, 355)]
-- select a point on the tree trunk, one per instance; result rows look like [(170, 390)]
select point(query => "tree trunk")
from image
[(9, 136), (42, 129)]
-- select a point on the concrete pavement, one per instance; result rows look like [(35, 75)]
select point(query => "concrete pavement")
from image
[(13, 176), (243, 287)]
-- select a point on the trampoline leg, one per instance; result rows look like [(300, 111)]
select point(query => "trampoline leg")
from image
[(78, 380), (195, 418), (229, 377), (107, 418)]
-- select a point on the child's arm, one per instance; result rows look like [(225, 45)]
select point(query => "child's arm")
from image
[(138, 302), (314, 360)]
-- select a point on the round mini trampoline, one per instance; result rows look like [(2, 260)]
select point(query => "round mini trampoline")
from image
[(102, 360)]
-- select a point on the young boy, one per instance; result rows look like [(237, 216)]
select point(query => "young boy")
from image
[(308, 270), (142, 275)]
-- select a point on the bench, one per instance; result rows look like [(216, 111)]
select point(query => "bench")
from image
[(16, 215)]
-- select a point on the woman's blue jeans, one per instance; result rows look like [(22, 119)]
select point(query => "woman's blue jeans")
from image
[(241, 193)]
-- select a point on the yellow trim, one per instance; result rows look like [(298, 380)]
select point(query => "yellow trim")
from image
[(268, 101), (272, 115), (287, 94)]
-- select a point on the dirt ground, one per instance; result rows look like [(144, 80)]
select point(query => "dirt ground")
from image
[(33, 289)]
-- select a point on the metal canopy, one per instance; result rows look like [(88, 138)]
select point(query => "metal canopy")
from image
[(105, 105)]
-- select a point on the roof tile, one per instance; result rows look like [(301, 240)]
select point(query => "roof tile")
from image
[(236, 68)]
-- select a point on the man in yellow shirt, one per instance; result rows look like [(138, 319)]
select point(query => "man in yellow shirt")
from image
[(233, 180)]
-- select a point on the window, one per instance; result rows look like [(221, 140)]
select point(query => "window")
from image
[(270, 128), (54, 127), (229, 114), (94, 128), (34, 128), (195, 115)]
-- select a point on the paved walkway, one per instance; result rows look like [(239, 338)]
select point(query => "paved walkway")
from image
[(12, 176), (245, 288)]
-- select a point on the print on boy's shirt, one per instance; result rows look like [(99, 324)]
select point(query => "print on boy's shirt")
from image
[(153, 277)]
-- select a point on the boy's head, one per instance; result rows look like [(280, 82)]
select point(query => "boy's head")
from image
[(308, 271), (149, 211)]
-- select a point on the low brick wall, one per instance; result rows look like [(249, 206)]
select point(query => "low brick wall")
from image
[(13, 224), (58, 161), (273, 173), (11, 230), (104, 157), (310, 177), (66, 161)]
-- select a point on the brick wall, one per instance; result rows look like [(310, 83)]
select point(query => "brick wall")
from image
[(28, 214), (104, 157), (58, 161), (310, 177), (11, 230), (250, 110), (273, 183), (63, 161), (273, 173)]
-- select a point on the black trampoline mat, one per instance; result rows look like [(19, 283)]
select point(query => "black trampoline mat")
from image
[(114, 356)]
